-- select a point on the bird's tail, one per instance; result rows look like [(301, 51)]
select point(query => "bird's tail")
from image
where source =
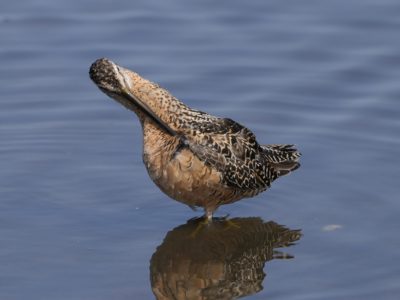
[(283, 158)]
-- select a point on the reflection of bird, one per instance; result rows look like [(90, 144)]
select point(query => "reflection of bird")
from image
[(222, 262), (193, 157)]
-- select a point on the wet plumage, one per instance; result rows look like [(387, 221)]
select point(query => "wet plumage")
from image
[(195, 158)]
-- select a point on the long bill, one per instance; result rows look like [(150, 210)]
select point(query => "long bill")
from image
[(149, 112)]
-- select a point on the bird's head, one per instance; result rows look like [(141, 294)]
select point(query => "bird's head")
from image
[(132, 91)]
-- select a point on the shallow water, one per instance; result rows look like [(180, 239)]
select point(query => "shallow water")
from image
[(79, 217)]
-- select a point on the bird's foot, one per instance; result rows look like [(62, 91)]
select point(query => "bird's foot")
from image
[(202, 223), (229, 224)]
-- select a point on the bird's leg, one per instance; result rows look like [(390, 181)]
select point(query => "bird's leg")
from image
[(208, 214)]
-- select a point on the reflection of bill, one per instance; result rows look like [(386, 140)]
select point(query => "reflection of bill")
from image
[(222, 260)]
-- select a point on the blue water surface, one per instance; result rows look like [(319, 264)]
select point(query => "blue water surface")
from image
[(80, 218)]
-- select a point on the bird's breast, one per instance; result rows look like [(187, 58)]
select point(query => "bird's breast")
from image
[(179, 173)]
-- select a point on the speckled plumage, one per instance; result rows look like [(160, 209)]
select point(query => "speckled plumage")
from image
[(195, 158)]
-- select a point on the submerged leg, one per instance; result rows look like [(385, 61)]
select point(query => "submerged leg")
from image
[(230, 224), (206, 220), (202, 223)]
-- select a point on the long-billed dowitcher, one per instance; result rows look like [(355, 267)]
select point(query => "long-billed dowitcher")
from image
[(193, 157)]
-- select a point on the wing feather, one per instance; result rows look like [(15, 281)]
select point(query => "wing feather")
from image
[(233, 150)]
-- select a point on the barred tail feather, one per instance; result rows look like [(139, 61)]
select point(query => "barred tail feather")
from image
[(283, 158), (278, 153)]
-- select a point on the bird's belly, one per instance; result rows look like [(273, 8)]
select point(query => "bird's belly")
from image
[(187, 179)]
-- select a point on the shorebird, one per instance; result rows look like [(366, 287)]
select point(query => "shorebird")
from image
[(193, 157)]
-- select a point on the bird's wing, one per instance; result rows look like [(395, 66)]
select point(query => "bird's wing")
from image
[(233, 150)]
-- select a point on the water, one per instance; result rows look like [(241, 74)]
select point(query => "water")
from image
[(79, 217)]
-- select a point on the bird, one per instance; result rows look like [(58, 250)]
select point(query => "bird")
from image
[(195, 158)]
